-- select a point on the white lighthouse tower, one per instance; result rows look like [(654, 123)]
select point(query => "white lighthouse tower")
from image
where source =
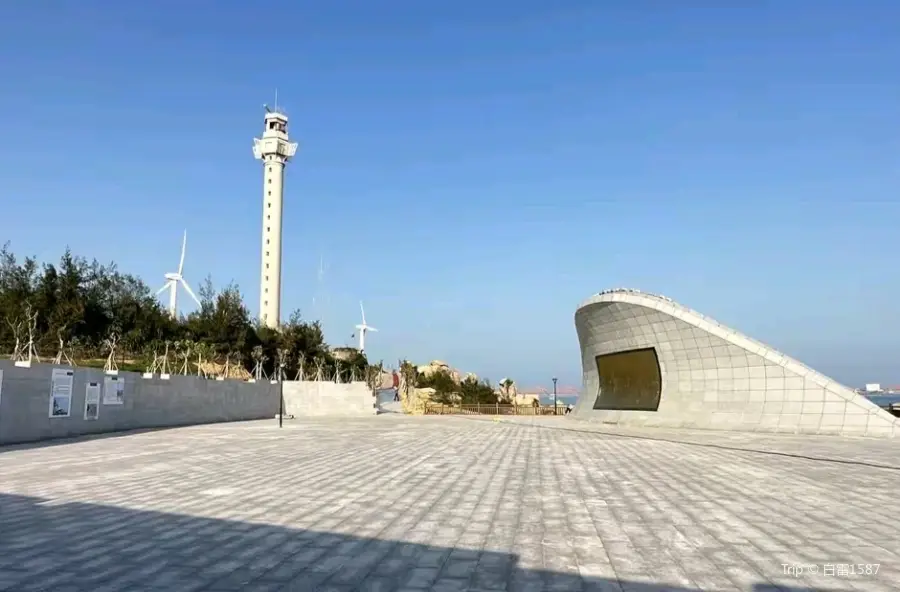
[(274, 150)]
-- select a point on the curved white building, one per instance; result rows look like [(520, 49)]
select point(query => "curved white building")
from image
[(649, 361)]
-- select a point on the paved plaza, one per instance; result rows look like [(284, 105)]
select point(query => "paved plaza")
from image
[(446, 504)]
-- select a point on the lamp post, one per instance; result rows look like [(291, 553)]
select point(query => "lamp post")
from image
[(281, 359), (555, 408), (280, 394)]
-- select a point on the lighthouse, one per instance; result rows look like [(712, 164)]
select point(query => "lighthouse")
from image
[(274, 149)]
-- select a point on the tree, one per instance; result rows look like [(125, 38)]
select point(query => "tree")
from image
[(84, 303), (508, 390), (445, 388), (472, 391), (408, 379)]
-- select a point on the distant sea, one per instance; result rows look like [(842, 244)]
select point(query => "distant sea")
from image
[(883, 400), (562, 399)]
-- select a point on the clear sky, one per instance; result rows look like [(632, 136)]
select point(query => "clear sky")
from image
[(474, 170)]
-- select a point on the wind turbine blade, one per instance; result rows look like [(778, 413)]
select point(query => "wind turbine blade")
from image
[(373, 329), (163, 289), (190, 292), (363, 312), (183, 246)]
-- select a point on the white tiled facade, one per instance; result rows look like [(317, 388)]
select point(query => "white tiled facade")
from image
[(714, 377)]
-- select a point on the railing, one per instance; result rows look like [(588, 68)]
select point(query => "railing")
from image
[(491, 409), (894, 409)]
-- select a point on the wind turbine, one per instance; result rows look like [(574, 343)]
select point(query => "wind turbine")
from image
[(172, 281), (363, 329)]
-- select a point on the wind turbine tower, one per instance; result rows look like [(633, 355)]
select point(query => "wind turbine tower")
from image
[(363, 329), (172, 281), (274, 150)]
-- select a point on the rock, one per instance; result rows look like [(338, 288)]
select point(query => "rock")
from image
[(417, 399), (528, 400), (344, 353), (435, 366), (386, 380)]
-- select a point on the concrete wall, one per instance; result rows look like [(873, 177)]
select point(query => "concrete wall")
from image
[(322, 399), (179, 400), (714, 377)]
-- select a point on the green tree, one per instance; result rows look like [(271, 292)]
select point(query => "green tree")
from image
[(84, 302), (445, 388), (473, 391), (298, 337)]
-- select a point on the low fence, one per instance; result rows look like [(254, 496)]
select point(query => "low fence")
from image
[(492, 409)]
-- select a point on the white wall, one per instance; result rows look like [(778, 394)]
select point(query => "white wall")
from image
[(323, 399), (147, 402)]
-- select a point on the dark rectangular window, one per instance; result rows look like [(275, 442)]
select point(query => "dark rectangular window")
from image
[(629, 380)]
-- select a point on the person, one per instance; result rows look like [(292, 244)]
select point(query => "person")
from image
[(568, 408)]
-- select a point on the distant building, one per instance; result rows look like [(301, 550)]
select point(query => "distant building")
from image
[(873, 387)]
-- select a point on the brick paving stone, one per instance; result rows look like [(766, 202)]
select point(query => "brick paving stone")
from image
[(449, 504)]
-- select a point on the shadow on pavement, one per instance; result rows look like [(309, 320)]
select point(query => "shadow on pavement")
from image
[(712, 445), (60, 440), (81, 547)]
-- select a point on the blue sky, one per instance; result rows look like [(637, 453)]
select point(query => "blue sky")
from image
[(474, 170)]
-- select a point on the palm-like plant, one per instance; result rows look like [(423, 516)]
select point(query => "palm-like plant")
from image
[(507, 389), (259, 358)]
